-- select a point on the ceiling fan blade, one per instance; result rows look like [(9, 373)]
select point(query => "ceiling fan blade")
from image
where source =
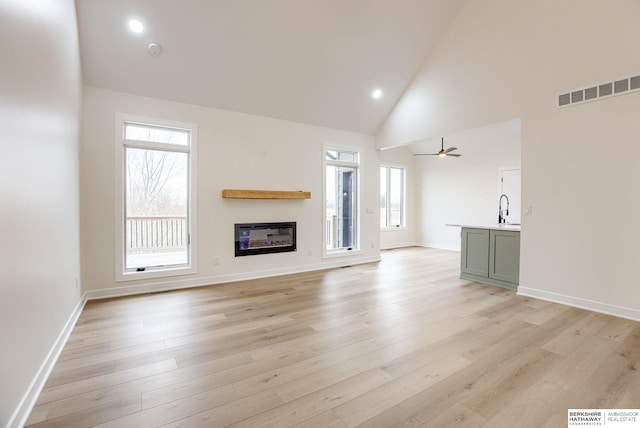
[(442, 152)]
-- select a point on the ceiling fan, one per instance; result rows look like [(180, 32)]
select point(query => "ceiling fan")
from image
[(442, 153)]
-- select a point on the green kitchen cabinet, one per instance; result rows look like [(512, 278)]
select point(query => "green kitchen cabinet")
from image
[(475, 252), (490, 256)]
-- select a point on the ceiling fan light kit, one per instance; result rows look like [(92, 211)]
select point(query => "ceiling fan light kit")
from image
[(442, 153)]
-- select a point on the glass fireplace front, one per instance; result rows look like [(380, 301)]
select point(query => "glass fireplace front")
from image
[(264, 238)]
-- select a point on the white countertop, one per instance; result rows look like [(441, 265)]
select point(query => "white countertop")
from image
[(494, 226)]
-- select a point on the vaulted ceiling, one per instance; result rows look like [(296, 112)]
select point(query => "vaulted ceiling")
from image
[(309, 61)]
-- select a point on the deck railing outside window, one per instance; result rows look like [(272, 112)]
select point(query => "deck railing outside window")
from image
[(156, 234)]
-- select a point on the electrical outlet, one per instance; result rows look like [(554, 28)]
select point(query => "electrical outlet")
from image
[(528, 210), (216, 261)]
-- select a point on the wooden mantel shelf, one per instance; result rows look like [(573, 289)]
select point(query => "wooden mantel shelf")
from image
[(264, 194)]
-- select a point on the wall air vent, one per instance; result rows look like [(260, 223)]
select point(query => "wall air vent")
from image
[(564, 100), (606, 89), (603, 90), (621, 86), (591, 93), (577, 96)]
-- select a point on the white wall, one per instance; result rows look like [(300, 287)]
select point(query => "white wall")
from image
[(505, 59), (40, 88), (463, 190), (236, 151)]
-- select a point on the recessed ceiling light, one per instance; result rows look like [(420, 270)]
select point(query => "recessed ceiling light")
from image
[(377, 93), (136, 26)]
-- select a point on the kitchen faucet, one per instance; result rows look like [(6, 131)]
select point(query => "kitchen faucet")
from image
[(500, 210)]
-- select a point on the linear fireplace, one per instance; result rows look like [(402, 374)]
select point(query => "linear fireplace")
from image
[(264, 238)]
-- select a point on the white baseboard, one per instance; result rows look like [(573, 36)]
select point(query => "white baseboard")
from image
[(603, 308), (28, 401), (440, 246), (399, 245), (177, 284)]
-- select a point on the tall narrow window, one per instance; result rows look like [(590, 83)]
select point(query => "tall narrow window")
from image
[(392, 200), (156, 215), (341, 199)]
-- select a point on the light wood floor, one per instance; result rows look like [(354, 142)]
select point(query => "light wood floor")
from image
[(400, 343)]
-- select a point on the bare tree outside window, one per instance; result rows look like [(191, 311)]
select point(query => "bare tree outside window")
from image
[(156, 184)]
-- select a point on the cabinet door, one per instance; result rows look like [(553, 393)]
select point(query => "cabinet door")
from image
[(474, 256), (504, 256)]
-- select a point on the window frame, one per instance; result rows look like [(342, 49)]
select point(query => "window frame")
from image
[(403, 220), (121, 144), (357, 165)]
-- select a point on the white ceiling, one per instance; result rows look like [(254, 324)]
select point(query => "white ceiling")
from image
[(309, 61), (488, 139)]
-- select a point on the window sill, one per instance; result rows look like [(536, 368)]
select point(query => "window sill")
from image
[(329, 254), (155, 273), (393, 229)]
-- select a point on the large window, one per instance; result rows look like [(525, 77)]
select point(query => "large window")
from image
[(392, 197), (156, 204), (341, 200)]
